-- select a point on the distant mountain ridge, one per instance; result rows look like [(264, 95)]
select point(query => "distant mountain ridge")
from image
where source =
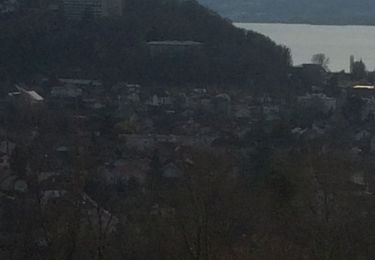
[(296, 11)]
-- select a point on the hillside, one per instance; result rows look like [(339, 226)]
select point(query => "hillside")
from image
[(296, 11), (115, 49)]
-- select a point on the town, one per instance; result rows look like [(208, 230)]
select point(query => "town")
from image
[(137, 138), (129, 137)]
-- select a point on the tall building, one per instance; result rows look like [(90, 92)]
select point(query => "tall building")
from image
[(112, 7), (76, 9), (351, 63)]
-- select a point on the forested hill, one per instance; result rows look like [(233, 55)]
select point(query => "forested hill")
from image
[(115, 49), (297, 11)]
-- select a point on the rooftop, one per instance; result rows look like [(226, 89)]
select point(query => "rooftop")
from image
[(35, 95), (81, 82), (363, 87), (175, 43)]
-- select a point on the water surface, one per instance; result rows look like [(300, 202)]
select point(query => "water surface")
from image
[(337, 42)]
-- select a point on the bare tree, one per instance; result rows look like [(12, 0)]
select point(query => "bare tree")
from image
[(321, 59)]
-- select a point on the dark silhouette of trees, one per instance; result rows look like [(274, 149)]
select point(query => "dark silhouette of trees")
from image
[(320, 59), (115, 48), (359, 70)]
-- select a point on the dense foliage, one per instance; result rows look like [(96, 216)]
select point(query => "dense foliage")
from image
[(115, 48)]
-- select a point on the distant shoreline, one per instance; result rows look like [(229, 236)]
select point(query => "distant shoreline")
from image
[(303, 23), (338, 42)]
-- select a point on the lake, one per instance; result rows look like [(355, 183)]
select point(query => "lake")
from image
[(337, 42)]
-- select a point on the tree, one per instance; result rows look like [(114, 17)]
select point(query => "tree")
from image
[(321, 59), (352, 109), (359, 70)]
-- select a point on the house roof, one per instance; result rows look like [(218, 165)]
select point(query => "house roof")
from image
[(14, 94), (364, 87), (223, 96), (81, 82), (35, 95), (30, 93)]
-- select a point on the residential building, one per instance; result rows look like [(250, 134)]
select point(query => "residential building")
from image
[(8, 6), (68, 91), (319, 101), (362, 90), (30, 97), (160, 98), (311, 74), (81, 82), (77, 9)]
